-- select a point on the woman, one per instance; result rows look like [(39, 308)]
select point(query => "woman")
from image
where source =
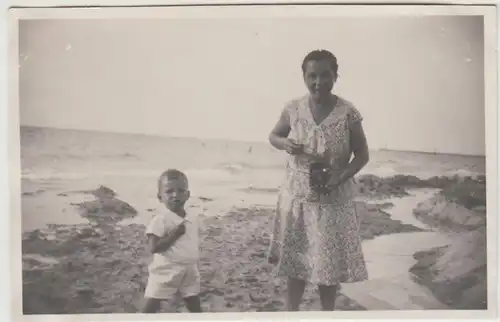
[(316, 229)]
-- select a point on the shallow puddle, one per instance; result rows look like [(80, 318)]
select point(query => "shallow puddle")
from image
[(389, 258)]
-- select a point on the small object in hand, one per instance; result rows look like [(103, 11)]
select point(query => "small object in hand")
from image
[(293, 147), (181, 229), (319, 175)]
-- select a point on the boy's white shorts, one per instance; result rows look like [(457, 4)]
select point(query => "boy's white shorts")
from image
[(183, 279)]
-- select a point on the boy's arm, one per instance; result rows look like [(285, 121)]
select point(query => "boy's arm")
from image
[(161, 244)]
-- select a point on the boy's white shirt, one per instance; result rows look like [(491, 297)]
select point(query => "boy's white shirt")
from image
[(185, 250)]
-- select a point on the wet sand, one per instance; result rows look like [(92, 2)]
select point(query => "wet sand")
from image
[(94, 269)]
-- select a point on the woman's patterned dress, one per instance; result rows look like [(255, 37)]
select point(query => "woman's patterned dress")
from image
[(317, 239)]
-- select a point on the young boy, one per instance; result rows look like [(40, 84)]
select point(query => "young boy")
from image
[(173, 240)]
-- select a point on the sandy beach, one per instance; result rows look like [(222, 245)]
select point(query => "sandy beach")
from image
[(90, 265), (101, 266)]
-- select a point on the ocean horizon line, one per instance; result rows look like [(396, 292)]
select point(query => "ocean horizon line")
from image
[(264, 142), (155, 135)]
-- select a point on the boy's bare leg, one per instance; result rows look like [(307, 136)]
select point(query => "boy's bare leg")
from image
[(150, 305), (328, 295), (193, 304), (296, 288)]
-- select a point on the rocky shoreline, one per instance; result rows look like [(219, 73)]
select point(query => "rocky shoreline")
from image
[(457, 273)]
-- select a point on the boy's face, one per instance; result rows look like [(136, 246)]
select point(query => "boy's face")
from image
[(173, 193)]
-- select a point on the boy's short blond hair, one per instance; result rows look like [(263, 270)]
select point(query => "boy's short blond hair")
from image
[(172, 174)]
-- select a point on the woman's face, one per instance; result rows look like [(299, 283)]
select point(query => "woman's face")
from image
[(319, 77)]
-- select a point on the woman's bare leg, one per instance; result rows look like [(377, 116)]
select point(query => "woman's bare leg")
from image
[(150, 305), (328, 295), (295, 292), (193, 304)]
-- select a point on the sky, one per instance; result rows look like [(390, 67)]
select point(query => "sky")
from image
[(418, 81)]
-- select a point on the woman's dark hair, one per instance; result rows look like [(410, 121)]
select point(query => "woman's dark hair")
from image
[(321, 54)]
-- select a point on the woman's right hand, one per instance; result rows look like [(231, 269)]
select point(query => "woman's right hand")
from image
[(291, 147)]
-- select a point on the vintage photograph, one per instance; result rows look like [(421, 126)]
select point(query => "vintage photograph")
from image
[(253, 163)]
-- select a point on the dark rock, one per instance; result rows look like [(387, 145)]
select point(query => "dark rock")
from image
[(468, 195), (85, 293), (480, 209), (87, 233), (104, 193), (107, 210), (460, 206), (33, 235), (375, 222), (258, 298), (251, 279), (33, 193), (259, 255), (407, 181), (373, 186)]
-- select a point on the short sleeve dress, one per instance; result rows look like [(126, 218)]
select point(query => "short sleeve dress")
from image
[(317, 240)]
